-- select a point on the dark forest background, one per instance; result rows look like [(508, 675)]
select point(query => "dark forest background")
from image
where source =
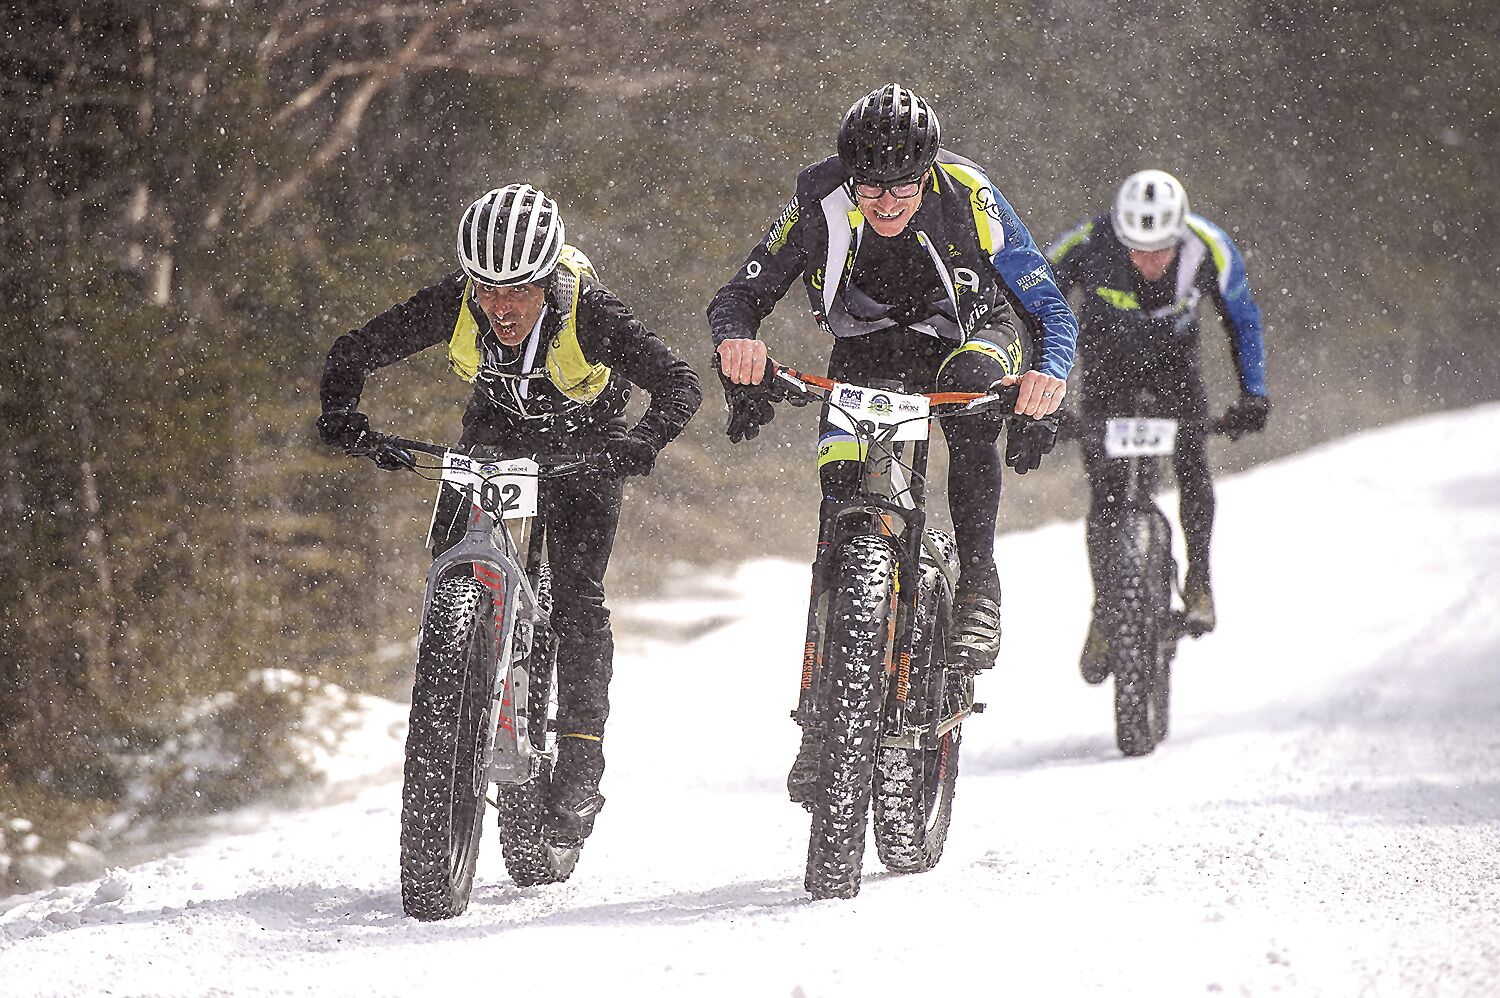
[(199, 196)]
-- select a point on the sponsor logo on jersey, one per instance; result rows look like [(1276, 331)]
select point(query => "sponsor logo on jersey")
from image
[(781, 230), (984, 200), (1031, 280)]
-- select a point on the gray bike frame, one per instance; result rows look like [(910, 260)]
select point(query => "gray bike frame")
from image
[(489, 543)]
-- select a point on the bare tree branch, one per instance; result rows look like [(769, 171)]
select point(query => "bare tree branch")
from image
[(346, 127), (319, 27)]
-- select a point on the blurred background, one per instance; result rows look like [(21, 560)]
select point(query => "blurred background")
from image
[(200, 195)]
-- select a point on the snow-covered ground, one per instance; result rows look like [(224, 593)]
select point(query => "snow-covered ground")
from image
[(1325, 818)]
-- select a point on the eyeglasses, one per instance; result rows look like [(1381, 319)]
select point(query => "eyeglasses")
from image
[(904, 191)]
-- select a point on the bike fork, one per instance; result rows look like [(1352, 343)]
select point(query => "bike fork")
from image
[(806, 713)]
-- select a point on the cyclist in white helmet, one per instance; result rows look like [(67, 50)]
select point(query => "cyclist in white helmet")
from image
[(551, 354), (1144, 269)]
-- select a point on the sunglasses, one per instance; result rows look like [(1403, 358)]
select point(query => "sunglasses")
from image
[(904, 191)]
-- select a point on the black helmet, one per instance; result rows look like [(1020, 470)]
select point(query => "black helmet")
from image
[(889, 136)]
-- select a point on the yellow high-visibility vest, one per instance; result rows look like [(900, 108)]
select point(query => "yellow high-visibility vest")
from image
[(567, 368)]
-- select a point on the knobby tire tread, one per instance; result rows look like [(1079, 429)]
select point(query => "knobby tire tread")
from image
[(529, 859), (1133, 647), (914, 788), (854, 663), (440, 812)]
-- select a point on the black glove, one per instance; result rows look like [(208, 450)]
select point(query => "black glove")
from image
[(1027, 439), (342, 428), (1247, 415), (631, 455), (749, 407)]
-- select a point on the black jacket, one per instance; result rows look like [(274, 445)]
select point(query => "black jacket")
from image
[(988, 264), (607, 332), (1131, 326)]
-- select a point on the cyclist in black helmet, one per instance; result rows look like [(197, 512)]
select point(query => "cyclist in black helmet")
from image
[(551, 354), (923, 274)]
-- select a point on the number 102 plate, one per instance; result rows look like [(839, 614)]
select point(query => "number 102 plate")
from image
[(504, 489)]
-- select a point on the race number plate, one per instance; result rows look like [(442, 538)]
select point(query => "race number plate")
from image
[(851, 404), (503, 489), (1140, 437)]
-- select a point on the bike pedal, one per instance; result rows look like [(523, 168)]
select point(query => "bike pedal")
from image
[(978, 708)]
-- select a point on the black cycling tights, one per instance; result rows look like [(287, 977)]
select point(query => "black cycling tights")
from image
[(1107, 480)]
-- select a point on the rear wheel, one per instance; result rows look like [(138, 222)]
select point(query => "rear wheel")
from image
[(442, 796), (854, 665), (529, 858), (914, 787)]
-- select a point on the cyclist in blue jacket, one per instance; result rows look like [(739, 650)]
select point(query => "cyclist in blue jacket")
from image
[(1145, 269), (921, 273)]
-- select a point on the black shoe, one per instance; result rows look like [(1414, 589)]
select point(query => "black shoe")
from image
[(803, 778), (974, 640), (1198, 596), (1094, 663), (573, 798)]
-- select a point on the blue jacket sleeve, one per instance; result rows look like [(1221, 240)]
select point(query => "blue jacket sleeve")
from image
[(1029, 277), (1231, 294)]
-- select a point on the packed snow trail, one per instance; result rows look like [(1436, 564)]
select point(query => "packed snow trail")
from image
[(1325, 818)]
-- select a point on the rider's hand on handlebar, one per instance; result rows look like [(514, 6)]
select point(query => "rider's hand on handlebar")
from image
[(1247, 415), (749, 408), (1026, 440), (631, 455), (743, 362), (1040, 394), (343, 428), (743, 368)]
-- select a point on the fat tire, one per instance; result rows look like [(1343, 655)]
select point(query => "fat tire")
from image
[(854, 670), (1162, 572), (442, 794), (1133, 647), (529, 859), (914, 788)]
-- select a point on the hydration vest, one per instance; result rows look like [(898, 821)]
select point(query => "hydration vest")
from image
[(568, 369)]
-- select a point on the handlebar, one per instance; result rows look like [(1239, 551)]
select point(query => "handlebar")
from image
[(393, 452), (790, 385)]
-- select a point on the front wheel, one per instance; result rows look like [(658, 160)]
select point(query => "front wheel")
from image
[(1133, 649), (914, 787), (442, 795), (854, 666)]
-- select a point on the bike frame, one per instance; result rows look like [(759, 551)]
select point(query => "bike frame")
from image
[(490, 551), (892, 507)]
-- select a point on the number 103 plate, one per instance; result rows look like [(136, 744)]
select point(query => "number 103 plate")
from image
[(1140, 437), (504, 489)]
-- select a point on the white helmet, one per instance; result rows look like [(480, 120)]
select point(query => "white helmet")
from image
[(1150, 210), (512, 235)]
